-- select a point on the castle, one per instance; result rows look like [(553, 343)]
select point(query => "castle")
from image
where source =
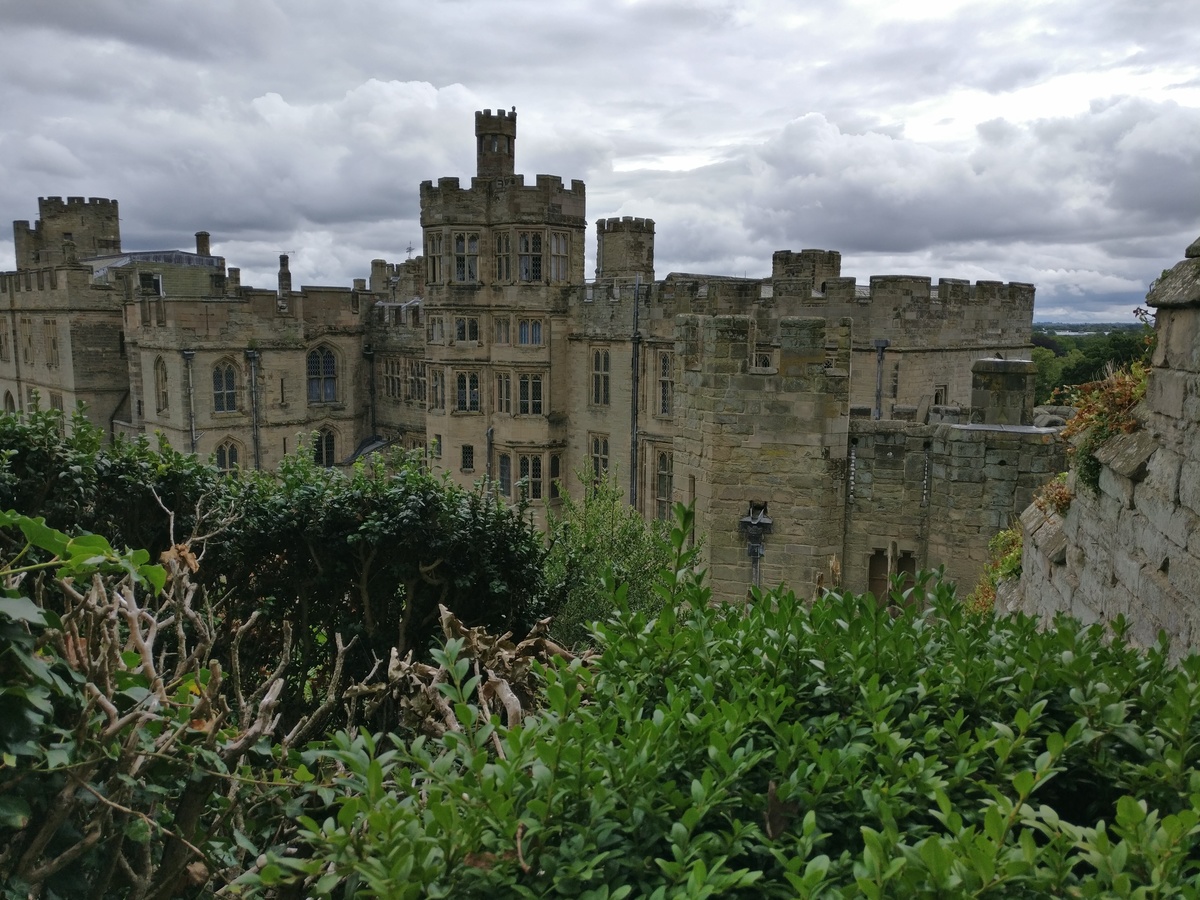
[(824, 430)]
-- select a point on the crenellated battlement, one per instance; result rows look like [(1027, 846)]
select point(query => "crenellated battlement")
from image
[(625, 224), (501, 121), (55, 204)]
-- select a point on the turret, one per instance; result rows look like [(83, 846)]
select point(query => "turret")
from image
[(495, 143), (625, 248), (92, 226)]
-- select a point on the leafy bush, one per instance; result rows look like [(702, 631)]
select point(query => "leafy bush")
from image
[(589, 537), (1004, 561), (782, 750), (1054, 496)]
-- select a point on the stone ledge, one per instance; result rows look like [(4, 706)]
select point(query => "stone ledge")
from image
[(1128, 454)]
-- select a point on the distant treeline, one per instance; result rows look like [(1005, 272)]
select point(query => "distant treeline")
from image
[(1069, 354)]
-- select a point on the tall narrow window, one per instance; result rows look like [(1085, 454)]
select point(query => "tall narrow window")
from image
[(662, 485), (227, 455), (27, 341), (529, 401), (161, 395), (504, 473), (467, 389), (224, 388), (433, 257), (666, 384), (529, 255), (599, 454), (322, 376), (504, 393), (502, 329), (437, 389), (435, 330), (50, 336), (558, 256), (531, 475), (324, 447), (466, 256), (503, 258), (600, 377), (555, 474), (10, 402), (468, 457)]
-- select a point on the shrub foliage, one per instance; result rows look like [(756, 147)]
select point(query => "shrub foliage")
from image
[(780, 750)]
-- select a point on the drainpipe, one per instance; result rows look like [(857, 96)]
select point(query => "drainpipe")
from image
[(188, 356), (633, 416), (881, 344), (252, 358)]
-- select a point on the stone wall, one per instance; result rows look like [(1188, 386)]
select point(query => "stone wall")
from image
[(750, 437), (1132, 547)]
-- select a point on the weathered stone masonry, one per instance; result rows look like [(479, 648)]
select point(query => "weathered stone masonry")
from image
[(1132, 548)]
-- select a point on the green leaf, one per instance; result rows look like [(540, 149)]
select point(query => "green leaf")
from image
[(22, 609), (14, 811)]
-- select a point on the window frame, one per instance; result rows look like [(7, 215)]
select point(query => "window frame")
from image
[(531, 394), (530, 259), (601, 393), (225, 387), (502, 268), (467, 393), (433, 257), (466, 256), (666, 384), (504, 393), (504, 472), (530, 332), (321, 365), (560, 256), (226, 455), (664, 483), (530, 475), (598, 448), (162, 392), (325, 447)]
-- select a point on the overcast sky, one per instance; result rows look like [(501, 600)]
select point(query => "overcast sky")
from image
[(1056, 143)]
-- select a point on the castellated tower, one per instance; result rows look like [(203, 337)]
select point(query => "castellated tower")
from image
[(816, 266), (502, 258), (93, 227), (625, 248), (495, 143)]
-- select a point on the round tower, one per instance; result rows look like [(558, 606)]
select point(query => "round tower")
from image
[(495, 142)]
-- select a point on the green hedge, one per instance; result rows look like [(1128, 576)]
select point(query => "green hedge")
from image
[(778, 750)]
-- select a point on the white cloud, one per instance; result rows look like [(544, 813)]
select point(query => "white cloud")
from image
[(1008, 139)]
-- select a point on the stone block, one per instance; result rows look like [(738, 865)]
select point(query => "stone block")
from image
[(1128, 454), (1117, 487), (1166, 392)]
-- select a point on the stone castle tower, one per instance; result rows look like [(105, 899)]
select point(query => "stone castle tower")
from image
[(66, 231)]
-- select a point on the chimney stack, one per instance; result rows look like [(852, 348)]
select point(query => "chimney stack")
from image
[(285, 277), (202, 246)]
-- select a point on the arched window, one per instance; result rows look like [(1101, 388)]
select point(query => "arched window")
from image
[(161, 396), (227, 455), (224, 387), (323, 447), (10, 403), (322, 376)]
